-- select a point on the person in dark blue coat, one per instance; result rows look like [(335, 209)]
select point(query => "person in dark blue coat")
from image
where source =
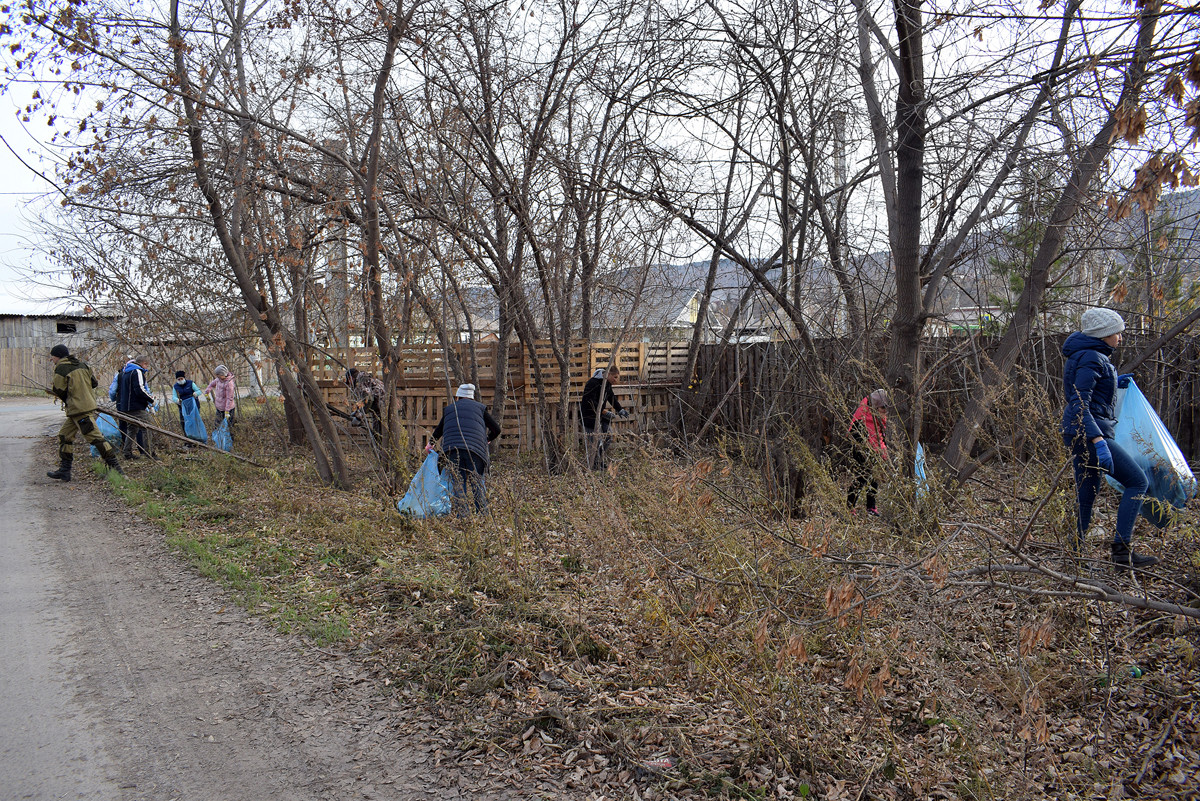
[(1088, 423), (134, 399), (465, 430)]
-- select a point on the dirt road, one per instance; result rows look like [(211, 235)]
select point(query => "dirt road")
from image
[(125, 675)]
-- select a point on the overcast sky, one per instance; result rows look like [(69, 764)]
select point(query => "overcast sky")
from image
[(22, 195)]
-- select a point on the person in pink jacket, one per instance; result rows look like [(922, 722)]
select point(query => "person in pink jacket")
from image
[(223, 392), (867, 429)]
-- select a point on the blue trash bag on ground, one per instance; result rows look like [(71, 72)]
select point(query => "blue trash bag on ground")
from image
[(193, 423), (429, 492), (111, 431), (919, 473), (1143, 436), (109, 428), (221, 438)]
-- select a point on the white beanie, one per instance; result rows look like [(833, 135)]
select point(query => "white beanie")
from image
[(879, 398), (1101, 322), (465, 391), (221, 370)]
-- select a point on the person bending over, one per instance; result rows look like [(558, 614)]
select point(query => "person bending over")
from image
[(465, 430)]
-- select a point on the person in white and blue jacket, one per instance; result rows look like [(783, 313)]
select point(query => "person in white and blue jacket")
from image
[(1089, 420), (135, 400), (465, 430)]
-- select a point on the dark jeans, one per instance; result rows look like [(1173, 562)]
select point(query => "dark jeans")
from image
[(466, 478), (231, 414), (863, 475), (597, 440), (132, 433), (1088, 476)]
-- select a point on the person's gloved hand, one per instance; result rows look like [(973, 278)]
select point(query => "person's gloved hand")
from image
[(624, 413), (1124, 379), (429, 448), (1103, 456)]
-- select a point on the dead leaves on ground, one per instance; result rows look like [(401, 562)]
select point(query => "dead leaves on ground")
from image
[(566, 644)]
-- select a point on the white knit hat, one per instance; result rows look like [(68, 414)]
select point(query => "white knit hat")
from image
[(1101, 322), (465, 391)]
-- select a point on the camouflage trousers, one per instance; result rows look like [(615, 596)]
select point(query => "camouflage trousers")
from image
[(84, 424)]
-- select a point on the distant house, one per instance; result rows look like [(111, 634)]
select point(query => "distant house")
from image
[(26, 340)]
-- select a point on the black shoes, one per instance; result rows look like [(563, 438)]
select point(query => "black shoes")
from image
[(1127, 559), (63, 473)]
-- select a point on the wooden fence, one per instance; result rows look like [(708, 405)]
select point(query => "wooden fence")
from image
[(648, 372), (757, 389)]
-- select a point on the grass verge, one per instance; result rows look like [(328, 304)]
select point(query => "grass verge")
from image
[(591, 624)]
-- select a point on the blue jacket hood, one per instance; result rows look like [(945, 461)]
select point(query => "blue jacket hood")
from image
[(1079, 341)]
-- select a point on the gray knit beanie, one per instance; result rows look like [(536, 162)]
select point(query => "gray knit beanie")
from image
[(1101, 322)]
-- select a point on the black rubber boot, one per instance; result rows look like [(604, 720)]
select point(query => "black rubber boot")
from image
[(1126, 558), (63, 473), (114, 465)]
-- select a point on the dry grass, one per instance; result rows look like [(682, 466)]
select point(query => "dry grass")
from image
[(592, 622)]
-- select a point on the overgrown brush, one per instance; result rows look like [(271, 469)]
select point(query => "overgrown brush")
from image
[(673, 606)]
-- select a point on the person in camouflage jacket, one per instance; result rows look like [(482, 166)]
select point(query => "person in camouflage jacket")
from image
[(75, 386)]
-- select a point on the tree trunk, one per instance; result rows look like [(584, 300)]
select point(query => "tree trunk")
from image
[(904, 351), (275, 338)]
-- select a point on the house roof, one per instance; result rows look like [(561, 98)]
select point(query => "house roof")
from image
[(64, 316)]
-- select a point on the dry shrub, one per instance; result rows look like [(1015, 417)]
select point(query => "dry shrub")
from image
[(672, 606)]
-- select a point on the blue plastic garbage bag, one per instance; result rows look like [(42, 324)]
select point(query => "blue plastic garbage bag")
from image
[(111, 431), (109, 428), (1143, 436), (429, 492), (221, 438), (919, 473), (193, 423)]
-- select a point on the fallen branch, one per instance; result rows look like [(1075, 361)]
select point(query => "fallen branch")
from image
[(1166, 732), (1087, 590), (142, 424)]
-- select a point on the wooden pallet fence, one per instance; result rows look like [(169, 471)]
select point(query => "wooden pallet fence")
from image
[(665, 362), (630, 360), (424, 365), (649, 372)]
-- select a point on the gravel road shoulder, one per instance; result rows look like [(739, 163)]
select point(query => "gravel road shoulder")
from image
[(150, 683)]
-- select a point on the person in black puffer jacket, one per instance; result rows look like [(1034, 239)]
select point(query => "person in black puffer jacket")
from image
[(1089, 421), (597, 422), (465, 430)]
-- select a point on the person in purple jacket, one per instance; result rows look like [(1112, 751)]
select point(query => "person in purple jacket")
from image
[(1088, 423)]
